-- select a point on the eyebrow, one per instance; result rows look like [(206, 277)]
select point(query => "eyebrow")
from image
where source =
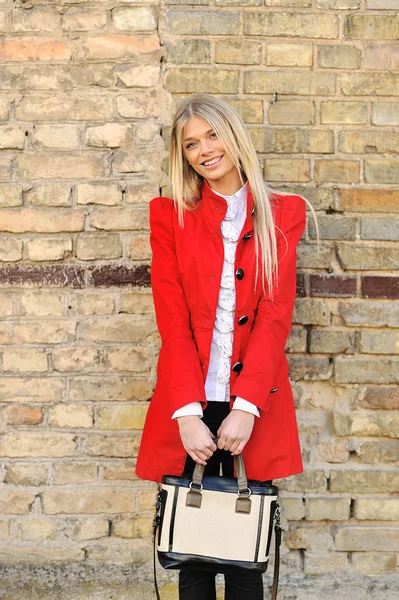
[(191, 138)]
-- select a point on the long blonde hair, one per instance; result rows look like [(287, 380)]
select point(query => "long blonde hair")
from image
[(187, 183)]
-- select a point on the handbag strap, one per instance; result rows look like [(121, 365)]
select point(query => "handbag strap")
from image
[(277, 544), (241, 474)]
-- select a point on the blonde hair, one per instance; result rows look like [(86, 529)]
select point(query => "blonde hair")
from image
[(187, 183)]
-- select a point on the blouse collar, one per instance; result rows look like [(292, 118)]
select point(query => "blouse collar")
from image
[(214, 205)]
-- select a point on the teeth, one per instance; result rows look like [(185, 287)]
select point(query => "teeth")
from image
[(212, 162)]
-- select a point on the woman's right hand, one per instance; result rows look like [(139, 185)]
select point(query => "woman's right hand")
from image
[(196, 438)]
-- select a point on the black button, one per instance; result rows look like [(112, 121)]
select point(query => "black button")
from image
[(242, 320), (240, 274), (252, 211), (247, 236), (273, 390), (237, 367)]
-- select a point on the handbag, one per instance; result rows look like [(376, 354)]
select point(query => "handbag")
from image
[(216, 523)]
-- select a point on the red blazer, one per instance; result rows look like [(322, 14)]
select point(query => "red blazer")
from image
[(185, 275)]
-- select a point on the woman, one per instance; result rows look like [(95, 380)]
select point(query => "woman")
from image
[(224, 280)]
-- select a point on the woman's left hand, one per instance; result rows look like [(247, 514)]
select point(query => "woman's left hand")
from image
[(235, 431)]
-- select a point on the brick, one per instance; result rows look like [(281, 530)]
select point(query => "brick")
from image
[(364, 200), (338, 171), (378, 539), (90, 529), (332, 286), (15, 502), (301, 83), (234, 2), (369, 84), (122, 328), (361, 142), (11, 250), (110, 389), (385, 113), (373, 286), (12, 137), (238, 52), (124, 472), (293, 509), (76, 359), (42, 444), (289, 55), (379, 452), (290, 3), (309, 368), (213, 81), (110, 135), (366, 481), (332, 342), (374, 563), (327, 508), (60, 108), (43, 249), (371, 27), (292, 112), (376, 509), (56, 136), (119, 219), (36, 19), (308, 481), (334, 451), (334, 228), (31, 49), (36, 529), (291, 24), (41, 220), (142, 105), (379, 397), (380, 424), (295, 141), (321, 563), (50, 194), (26, 473), (379, 342), (40, 303), (67, 166), (4, 108), (198, 22), (134, 19), (26, 389), (366, 370), (343, 112), (91, 304), (122, 417), (311, 312), (41, 77), (141, 76), (380, 314), (22, 415), (5, 168), (35, 555), (383, 57), (194, 51), (94, 247), (277, 169), (381, 171), (91, 501), (381, 4), (140, 193), (338, 57), (136, 302), (71, 415), (113, 446), (140, 248), (297, 340), (303, 537), (97, 193), (338, 4), (134, 359), (312, 257), (138, 275), (51, 331), (77, 19), (110, 47), (25, 360)]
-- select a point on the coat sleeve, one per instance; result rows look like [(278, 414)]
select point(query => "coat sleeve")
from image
[(179, 370), (265, 350)]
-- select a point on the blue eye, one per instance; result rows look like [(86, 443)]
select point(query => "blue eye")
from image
[(189, 145)]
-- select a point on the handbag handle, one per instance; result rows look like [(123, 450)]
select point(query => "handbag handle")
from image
[(240, 471), (243, 502)]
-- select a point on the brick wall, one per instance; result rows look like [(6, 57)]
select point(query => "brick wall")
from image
[(87, 94)]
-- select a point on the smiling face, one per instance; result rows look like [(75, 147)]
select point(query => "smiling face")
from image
[(207, 156)]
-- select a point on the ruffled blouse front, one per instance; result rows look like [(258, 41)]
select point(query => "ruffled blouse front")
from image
[(217, 386)]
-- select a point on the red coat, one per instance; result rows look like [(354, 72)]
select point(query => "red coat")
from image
[(185, 274)]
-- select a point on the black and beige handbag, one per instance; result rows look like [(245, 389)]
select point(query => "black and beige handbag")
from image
[(216, 523)]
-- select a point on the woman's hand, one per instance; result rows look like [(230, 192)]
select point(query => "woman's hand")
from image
[(235, 431), (196, 438)]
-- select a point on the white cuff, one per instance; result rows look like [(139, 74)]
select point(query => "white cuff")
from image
[(241, 404), (188, 410)]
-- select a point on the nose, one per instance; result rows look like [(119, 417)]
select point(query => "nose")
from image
[(206, 147)]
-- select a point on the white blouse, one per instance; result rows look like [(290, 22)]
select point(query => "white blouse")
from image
[(217, 383)]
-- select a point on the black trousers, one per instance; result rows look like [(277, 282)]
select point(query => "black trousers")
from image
[(200, 585)]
